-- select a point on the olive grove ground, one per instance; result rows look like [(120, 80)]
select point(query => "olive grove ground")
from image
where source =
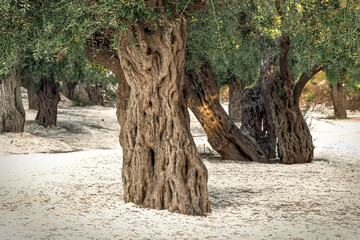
[(65, 183)]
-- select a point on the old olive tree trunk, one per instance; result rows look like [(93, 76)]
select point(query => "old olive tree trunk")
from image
[(12, 113), (271, 112), (338, 96), (68, 89), (161, 168), (33, 98), (223, 135), (49, 99)]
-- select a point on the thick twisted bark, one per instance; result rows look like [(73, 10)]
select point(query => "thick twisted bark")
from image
[(49, 99), (236, 91), (271, 112), (161, 168), (223, 135), (69, 89), (12, 113)]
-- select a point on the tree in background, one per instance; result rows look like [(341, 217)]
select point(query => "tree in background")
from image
[(303, 48), (218, 45), (12, 113)]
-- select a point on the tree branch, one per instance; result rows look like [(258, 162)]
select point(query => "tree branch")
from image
[(304, 78), (285, 45)]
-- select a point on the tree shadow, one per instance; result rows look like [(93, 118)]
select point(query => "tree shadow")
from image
[(221, 198)]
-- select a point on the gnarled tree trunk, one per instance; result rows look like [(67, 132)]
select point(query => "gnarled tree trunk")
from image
[(33, 98), (223, 135), (94, 94), (339, 99), (12, 113), (271, 112), (161, 168), (69, 89), (236, 91), (49, 99)]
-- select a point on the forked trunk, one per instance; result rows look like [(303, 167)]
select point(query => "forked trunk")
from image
[(273, 116), (69, 89), (49, 99), (94, 94), (161, 167), (236, 91), (12, 113), (223, 135), (32, 95), (339, 100)]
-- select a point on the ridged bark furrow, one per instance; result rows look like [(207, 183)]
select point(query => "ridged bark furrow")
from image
[(161, 168), (12, 113)]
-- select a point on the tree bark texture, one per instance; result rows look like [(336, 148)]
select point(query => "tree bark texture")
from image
[(12, 113), (69, 89), (223, 135), (339, 99), (271, 113), (33, 98), (161, 167), (236, 91), (49, 99), (94, 94)]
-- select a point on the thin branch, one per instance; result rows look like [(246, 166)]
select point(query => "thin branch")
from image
[(304, 78)]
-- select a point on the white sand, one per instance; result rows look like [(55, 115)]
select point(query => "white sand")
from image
[(78, 195)]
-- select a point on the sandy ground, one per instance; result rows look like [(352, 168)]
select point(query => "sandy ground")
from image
[(65, 183)]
